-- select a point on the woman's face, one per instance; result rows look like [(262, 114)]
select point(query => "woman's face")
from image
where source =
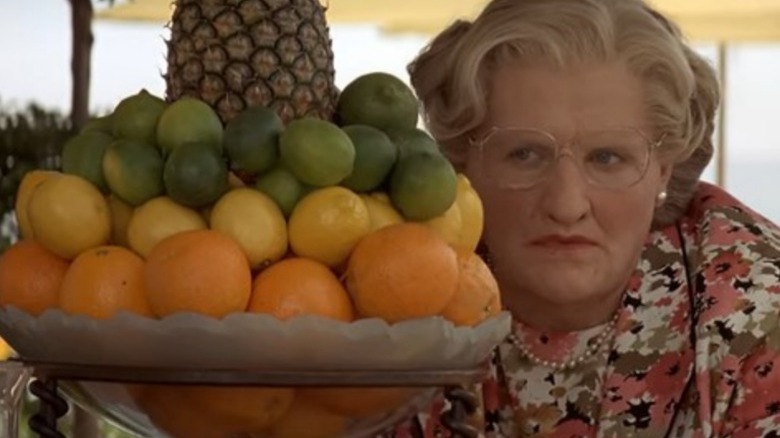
[(564, 241)]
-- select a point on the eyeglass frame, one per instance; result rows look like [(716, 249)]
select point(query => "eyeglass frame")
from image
[(651, 145)]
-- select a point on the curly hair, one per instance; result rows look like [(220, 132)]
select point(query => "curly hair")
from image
[(451, 76)]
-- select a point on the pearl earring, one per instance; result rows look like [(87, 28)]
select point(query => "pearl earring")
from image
[(661, 198)]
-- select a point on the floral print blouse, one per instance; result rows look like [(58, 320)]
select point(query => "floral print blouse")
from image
[(696, 351)]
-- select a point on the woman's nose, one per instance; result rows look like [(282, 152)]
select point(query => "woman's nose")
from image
[(564, 197)]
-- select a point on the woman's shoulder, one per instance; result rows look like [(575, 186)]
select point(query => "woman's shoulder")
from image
[(734, 261)]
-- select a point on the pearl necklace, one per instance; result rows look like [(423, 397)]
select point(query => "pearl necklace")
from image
[(571, 362)]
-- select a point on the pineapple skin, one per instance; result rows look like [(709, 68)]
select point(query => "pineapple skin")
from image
[(238, 54)]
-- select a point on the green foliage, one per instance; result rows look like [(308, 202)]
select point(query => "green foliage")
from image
[(30, 138)]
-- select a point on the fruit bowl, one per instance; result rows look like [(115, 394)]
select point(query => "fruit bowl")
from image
[(194, 342)]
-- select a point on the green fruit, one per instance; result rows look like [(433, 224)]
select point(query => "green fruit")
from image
[(413, 140), (188, 120), (195, 175), (135, 117), (317, 152), (103, 124), (83, 154), (423, 186), (375, 156), (133, 171), (251, 140), (281, 186), (380, 100)]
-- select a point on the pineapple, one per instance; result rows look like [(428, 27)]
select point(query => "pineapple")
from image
[(236, 54)]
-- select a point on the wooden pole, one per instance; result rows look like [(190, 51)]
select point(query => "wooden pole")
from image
[(720, 152)]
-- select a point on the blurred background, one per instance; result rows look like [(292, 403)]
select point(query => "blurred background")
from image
[(741, 38)]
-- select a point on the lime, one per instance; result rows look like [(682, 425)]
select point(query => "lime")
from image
[(375, 156), (251, 140), (317, 152), (133, 171), (282, 186), (195, 174), (102, 124), (82, 155), (423, 186), (188, 120), (413, 140), (380, 100), (136, 116)]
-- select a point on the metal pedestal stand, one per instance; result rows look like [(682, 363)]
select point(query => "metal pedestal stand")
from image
[(53, 406)]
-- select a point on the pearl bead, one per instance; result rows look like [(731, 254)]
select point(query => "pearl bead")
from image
[(571, 362)]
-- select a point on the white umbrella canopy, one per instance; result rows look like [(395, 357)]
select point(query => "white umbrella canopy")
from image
[(705, 20)]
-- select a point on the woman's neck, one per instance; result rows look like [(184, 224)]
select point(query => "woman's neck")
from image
[(557, 317)]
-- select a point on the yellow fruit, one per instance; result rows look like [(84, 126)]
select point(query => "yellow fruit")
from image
[(471, 214), (307, 420), (69, 215), (121, 213), (327, 224), (29, 183), (381, 212), (5, 350), (253, 220), (157, 219), (448, 225)]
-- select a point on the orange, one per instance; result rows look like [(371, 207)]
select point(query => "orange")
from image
[(300, 286), (30, 277), (185, 411), (477, 296), (201, 271), (171, 411), (358, 402), (308, 420), (245, 409), (402, 271), (102, 281)]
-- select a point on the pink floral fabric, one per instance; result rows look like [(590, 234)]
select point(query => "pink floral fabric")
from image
[(696, 352)]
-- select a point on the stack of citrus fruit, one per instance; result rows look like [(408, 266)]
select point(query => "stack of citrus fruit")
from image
[(161, 209)]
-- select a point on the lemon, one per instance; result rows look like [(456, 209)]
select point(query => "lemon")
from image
[(30, 181), (471, 213), (253, 220), (157, 219), (381, 212), (327, 224), (69, 215), (448, 225), (121, 213)]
